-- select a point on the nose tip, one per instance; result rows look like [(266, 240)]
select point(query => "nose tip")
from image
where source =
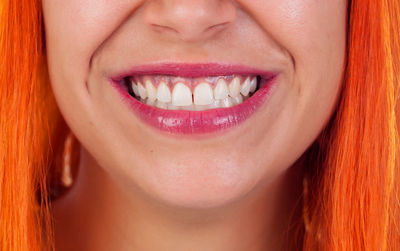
[(190, 20)]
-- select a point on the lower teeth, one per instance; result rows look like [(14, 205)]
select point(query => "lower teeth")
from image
[(223, 103)]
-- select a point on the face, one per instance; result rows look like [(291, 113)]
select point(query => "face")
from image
[(176, 52)]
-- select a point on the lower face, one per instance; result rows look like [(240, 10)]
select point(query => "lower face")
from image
[(196, 103)]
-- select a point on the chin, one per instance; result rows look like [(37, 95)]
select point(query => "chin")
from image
[(198, 186)]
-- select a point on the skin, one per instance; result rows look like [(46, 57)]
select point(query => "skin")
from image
[(140, 189)]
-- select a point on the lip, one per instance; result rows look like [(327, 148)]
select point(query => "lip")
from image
[(192, 70), (184, 122)]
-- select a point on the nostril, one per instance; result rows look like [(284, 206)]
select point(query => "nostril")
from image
[(161, 28), (217, 27), (189, 20)]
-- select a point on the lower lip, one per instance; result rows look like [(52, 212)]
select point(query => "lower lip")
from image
[(197, 122)]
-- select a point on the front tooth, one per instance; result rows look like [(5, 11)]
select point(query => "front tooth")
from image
[(221, 89), (181, 95), (253, 85), (163, 93), (203, 94), (142, 91), (245, 87), (234, 87), (151, 91), (135, 89)]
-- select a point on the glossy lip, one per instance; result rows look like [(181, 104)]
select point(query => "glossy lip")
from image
[(184, 122)]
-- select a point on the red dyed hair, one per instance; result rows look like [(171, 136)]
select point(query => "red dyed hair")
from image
[(351, 197)]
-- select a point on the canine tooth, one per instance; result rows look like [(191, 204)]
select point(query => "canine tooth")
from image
[(142, 91), (161, 104), (135, 89), (234, 87), (245, 87), (151, 90), (181, 95), (221, 89), (163, 93), (203, 94), (253, 85)]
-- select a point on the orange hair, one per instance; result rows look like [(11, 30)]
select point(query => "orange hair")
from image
[(351, 199)]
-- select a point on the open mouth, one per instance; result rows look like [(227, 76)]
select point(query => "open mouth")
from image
[(191, 99), (193, 94)]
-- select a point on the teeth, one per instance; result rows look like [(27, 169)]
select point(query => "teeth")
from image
[(150, 102), (163, 93), (215, 104), (190, 107), (221, 89), (135, 89), (227, 102), (234, 87), (161, 104), (151, 91), (204, 97), (202, 107), (238, 99), (245, 87), (142, 91), (203, 94), (172, 107), (253, 85), (181, 95)]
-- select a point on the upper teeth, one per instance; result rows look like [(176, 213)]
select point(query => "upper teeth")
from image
[(226, 92)]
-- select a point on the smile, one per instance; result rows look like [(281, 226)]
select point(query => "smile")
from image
[(191, 99)]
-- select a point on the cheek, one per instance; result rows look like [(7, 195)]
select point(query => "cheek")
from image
[(314, 35), (313, 32), (74, 30), (81, 26)]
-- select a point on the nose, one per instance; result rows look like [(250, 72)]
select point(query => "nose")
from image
[(190, 20)]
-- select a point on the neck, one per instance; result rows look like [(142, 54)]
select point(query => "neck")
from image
[(99, 213)]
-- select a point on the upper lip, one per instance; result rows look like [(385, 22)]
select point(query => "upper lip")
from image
[(192, 70)]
